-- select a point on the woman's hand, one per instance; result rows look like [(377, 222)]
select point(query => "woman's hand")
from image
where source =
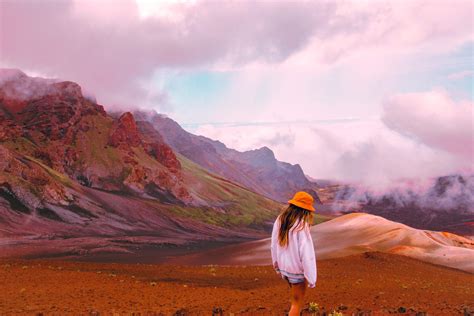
[(275, 266)]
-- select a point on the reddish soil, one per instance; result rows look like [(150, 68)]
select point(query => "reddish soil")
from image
[(376, 282)]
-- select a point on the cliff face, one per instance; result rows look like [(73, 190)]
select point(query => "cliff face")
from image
[(125, 132), (58, 126), (257, 170)]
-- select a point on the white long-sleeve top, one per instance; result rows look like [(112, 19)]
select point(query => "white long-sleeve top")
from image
[(297, 259)]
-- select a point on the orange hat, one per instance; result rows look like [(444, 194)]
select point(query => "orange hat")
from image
[(303, 200)]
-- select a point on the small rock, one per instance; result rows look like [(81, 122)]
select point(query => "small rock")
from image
[(181, 312), (401, 309), (342, 307)]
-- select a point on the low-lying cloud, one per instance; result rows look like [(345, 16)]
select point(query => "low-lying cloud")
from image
[(443, 194), (407, 143)]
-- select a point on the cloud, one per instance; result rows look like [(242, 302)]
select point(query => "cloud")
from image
[(433, 118), (461, 75), (113, 48), (109, 48), (420, 136)]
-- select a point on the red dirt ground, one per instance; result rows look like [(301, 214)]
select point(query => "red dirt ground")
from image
[(376, 282)]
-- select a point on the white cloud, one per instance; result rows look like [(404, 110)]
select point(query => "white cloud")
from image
[(434, 119), (421, 136)]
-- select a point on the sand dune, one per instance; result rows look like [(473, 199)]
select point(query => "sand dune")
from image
[(356, 233)]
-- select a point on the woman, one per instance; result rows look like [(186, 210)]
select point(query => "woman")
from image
[(292, 248)]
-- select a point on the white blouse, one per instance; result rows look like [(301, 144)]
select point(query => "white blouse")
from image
[(297, 259)]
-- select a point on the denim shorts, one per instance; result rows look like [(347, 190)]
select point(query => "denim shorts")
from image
[(292, 278)]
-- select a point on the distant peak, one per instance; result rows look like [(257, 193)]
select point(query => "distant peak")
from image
[(262, 155), (7, 74), (125, 132), (265, 149), (68, 87), (16, 85), (148, 115), (127, 117)]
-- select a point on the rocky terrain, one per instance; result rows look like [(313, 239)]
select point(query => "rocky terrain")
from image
[(370, 283), (69, 170), (257, 169)]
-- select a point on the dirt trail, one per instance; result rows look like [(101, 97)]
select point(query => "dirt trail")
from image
[(374, 282)]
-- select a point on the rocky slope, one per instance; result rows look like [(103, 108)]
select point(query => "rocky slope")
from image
[(68, 169), (257, 169)]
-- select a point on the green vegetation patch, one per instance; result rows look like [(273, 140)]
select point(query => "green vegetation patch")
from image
[(92, 144)]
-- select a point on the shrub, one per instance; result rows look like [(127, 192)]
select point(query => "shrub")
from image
[(313, 307)]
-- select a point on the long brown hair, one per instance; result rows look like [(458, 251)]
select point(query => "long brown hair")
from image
[(292, 216)]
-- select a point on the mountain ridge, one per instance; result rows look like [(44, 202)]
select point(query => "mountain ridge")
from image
[(256, 169)]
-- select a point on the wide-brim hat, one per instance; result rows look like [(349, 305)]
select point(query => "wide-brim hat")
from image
[(303, 200)]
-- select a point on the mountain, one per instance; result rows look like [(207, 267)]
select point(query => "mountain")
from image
[(357, 233), (443, 203), (69, 170), (257, 169)]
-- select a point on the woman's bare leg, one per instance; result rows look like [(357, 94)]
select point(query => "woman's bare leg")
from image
[(297, 298)]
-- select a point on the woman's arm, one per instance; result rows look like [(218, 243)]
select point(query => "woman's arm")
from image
[(307, 255), (274, 244)]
